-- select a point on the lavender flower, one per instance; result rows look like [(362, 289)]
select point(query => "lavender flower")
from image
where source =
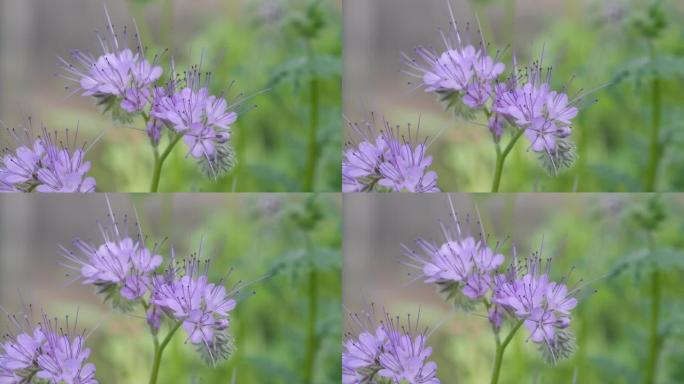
[(387, 161), (203, 118), (46, 351), (121, 266), (468, 79), (118, 75), (388, 350), (203, 308), (468, 272), (45, 163), (543, 306), (124, 82)]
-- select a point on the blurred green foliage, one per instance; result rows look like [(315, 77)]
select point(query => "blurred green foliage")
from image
[(264, 47), (613, 48), (604, 241), (272, 242)]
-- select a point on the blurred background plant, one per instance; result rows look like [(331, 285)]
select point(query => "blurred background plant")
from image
[(288, 331), (282, 54), (630, 49), (602, 238)]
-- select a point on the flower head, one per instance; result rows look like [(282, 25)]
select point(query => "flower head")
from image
[(387, 349), (46, 350), (387, 160), (46, 163), (121, 265), (203, 308), (118, 75)]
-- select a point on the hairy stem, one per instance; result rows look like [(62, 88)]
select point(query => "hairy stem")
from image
[(654, 149), (312, 335), (159, 350), (159, 161), (500, 349), (501, 159), (312, 151)]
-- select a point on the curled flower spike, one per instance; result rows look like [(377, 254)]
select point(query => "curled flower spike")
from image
[(46, 163), (202, 119), (387, 160), (46, 350), (184, 294), (544, 306), (387, 350)]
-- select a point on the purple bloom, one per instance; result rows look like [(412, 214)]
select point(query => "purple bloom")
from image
[(464, 265), (405, 355), (383, 161), (390, 350), (65, 172), (204, 119), (405, 169), (45, 351), (202, 307), (120, 264), (41, 164), (118, 72)]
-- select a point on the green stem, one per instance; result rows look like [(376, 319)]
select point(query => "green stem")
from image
[(312, 152), (159, 161), (655, 342), (159, 350), (501, 159), (654, 144), (312, 337), (500, 349)]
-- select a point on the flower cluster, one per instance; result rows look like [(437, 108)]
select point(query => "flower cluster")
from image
[(387, 352), (185, 295), (469, 272), (44, 351), (387, 161), (44, 164), (124, 82), (129, 273), (470, 79)]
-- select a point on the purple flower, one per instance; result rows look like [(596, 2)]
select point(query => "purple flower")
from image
[(461, 68), (405, 169), (476, 286), (361, 354), (20, 353), (64, 361), (46, 351), (462, 261), (543, 306), (386, 160), (135, 99), (41, 164), (118, 72), (120, 264), (405, 355), (20, 167), (203, 308), (545, 115), (390, 350), (540, 323), (204, 119), (65, 172)]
